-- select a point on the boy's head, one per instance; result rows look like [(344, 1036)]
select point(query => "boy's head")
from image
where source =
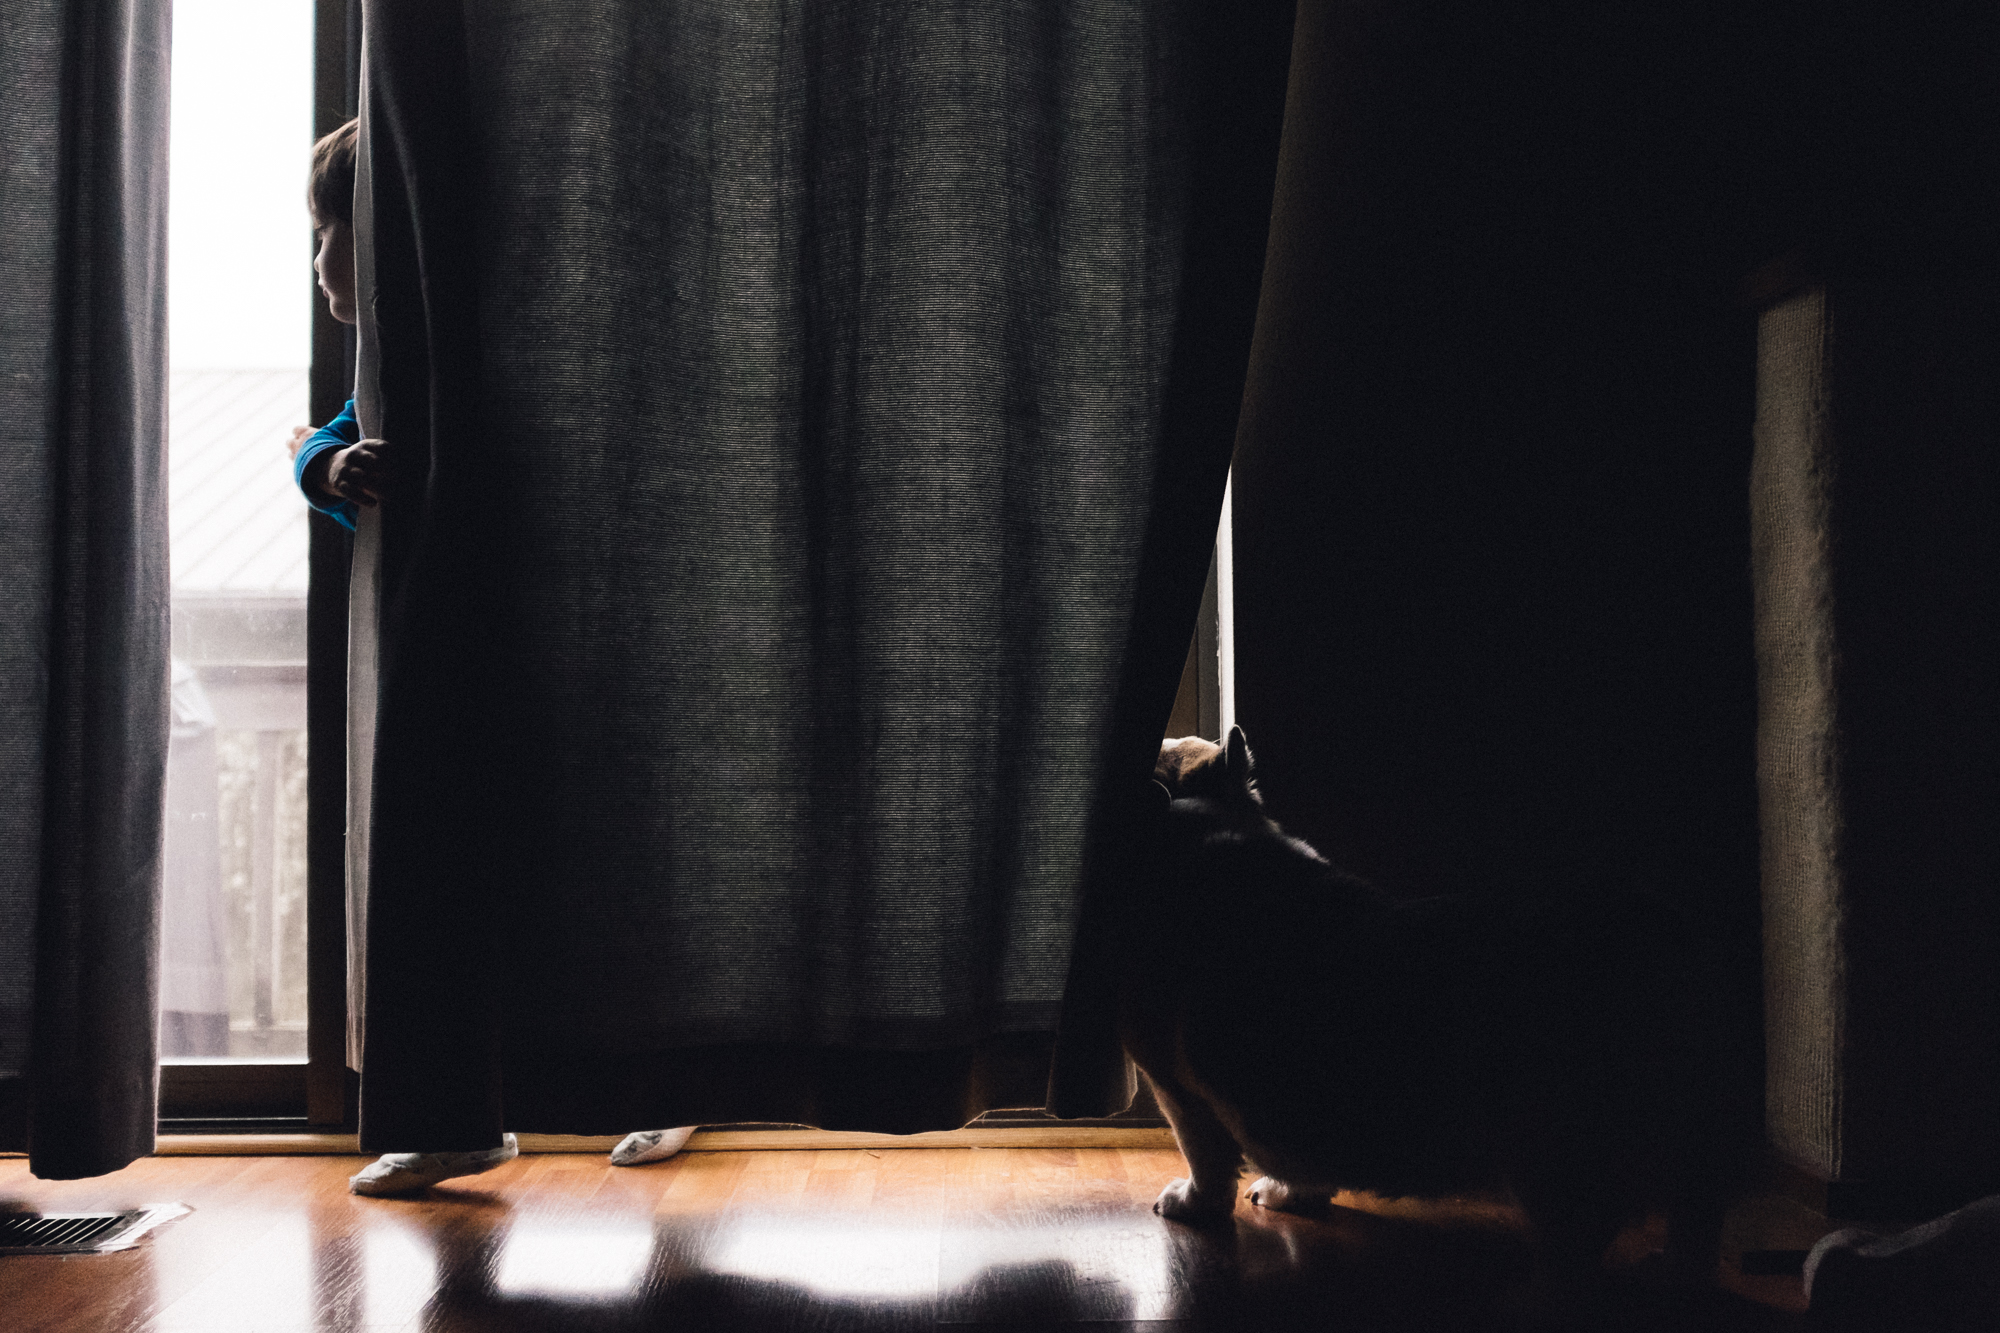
[(330, 196), (330, 188)]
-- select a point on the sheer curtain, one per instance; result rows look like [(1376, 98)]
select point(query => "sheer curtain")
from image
[(83, 577), (813, 419)]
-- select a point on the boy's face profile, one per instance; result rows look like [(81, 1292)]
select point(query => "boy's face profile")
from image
[(335, 266)]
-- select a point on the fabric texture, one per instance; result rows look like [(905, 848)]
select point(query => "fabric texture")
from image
[(84, 711), (1804, 947), (812, 420), (1877, 565)]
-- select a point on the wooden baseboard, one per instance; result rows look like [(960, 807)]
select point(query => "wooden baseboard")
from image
[(1900, 1202), (724, 1140)]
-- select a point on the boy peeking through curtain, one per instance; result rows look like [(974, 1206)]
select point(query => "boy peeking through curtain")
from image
[(335, 467), (338, 470)]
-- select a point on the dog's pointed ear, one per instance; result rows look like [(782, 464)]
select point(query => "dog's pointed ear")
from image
[(1241, 767)]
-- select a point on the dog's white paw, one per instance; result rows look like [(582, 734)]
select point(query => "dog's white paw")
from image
[(1282, 1196), (1180, 1201)]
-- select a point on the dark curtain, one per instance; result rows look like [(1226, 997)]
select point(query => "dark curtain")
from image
[(83, 576), (813, 419), (1493, 615)]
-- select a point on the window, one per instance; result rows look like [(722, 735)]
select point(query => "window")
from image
[(1206, 703), (234, 985)]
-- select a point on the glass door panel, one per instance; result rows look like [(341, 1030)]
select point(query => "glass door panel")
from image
[(233, 977)]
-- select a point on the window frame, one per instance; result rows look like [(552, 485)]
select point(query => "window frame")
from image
[(321, 1092)]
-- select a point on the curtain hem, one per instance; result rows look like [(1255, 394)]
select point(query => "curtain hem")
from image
[(584, 1091)]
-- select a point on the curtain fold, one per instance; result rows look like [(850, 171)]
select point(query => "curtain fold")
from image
[(812, 421), (83, 577)]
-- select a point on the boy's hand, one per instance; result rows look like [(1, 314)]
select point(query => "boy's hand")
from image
[(360, 472), (300, 434)]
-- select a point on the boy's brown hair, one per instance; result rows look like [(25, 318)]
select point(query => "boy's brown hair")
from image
[(330, 188)]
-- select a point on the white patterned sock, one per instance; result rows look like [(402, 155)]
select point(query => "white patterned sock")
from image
[(650, 1145), (399, 1173)]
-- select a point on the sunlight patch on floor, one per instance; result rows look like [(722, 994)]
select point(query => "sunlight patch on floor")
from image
[(567, 1258)]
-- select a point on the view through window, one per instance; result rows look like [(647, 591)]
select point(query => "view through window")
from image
[(233, 976)]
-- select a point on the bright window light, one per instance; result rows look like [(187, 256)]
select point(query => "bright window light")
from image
[(239, 246), (239, 318)]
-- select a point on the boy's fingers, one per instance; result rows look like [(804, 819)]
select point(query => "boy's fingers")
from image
[(362, 472), (360, 484)]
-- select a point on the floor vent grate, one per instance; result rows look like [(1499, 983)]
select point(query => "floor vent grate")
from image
[(81, 1233)]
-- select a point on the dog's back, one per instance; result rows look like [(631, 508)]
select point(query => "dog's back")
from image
[(1555, 1049)]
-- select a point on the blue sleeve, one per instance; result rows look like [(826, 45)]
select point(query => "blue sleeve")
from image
[(338, 433)]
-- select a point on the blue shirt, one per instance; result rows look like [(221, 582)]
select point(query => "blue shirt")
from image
[(338, 433)]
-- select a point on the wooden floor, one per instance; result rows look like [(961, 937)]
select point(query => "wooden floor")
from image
[(989, 1239)]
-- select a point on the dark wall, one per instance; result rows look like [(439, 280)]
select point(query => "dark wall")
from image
[(1493, 608), (1914, 565)]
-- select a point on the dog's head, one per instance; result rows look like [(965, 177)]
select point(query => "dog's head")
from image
[(1192, 768), (1212, 833)]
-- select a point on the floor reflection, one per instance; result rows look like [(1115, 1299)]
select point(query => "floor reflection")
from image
[(266, 1282), (398, 1275), (1018, 1241), (838, 1257), (569, 1258), (1091, 1264), (1086, 1265), (784, 1269)]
